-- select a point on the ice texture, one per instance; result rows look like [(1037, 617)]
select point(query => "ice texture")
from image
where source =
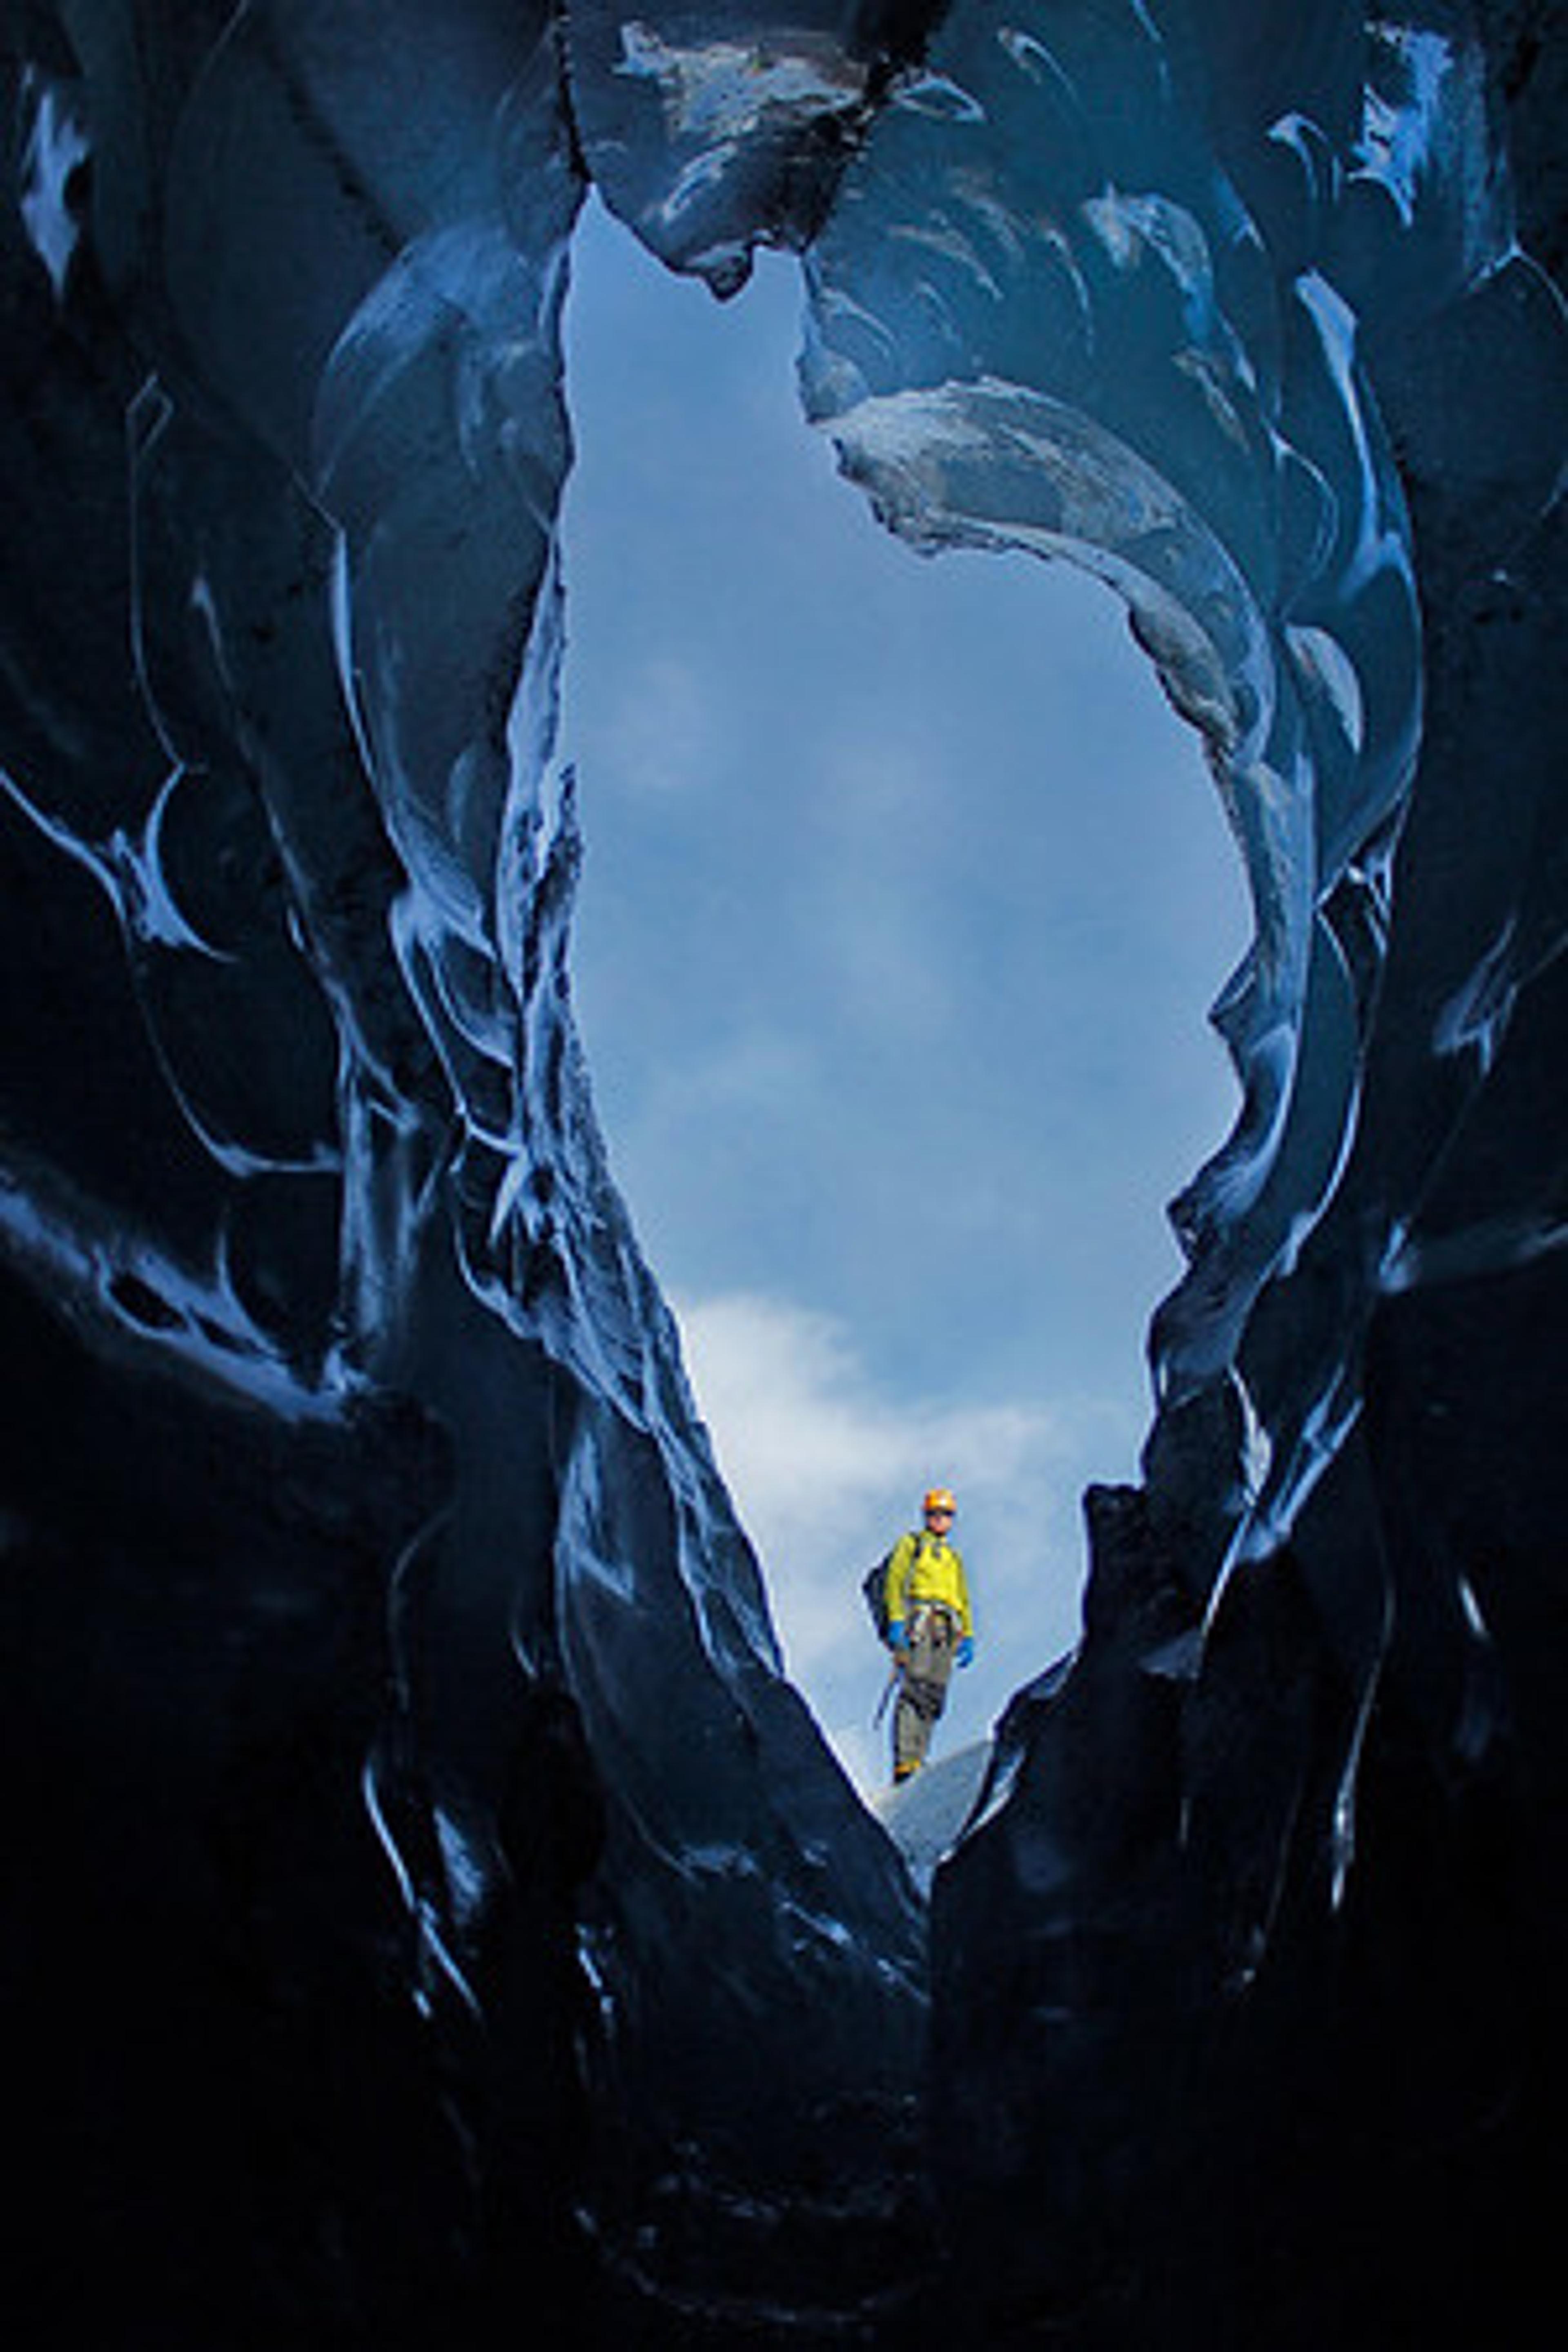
[(432, 1903)]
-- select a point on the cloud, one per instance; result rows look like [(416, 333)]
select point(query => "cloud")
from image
[(655, 726), (825, 1469)]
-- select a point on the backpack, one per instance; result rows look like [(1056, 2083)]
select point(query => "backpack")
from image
[(874, 1586)]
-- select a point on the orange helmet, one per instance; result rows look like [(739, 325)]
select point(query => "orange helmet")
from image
[(939, 1498)]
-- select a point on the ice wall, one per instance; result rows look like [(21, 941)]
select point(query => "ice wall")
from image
[(409, 1778), (1278, 1871), (432, 1901)]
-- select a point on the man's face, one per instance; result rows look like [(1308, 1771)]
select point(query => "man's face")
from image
[(939, 1521)]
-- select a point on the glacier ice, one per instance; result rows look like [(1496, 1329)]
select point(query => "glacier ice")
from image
[(432, 1903)]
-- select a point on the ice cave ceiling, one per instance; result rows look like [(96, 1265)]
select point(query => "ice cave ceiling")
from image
[(433, 1902)]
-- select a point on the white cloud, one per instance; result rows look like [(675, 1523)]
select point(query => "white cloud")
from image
[(825, 1469), (656, 729)]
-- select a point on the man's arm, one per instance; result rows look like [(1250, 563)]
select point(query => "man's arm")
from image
[(965, 1607)]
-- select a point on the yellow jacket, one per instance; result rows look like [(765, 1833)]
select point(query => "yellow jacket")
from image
[(927, 1567)]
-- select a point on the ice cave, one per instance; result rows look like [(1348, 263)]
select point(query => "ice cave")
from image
[(436, 1923)]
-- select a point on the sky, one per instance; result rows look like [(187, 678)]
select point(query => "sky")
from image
[(905, 898)]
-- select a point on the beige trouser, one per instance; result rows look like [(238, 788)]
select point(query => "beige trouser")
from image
[(925, 1669)]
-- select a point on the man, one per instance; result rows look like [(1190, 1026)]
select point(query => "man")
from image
[(931, 1627)]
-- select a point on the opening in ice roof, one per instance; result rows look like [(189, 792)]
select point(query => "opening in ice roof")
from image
[(905, 896)]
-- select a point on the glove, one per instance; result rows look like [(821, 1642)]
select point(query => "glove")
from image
[(897, 1637), (965, 1651)]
